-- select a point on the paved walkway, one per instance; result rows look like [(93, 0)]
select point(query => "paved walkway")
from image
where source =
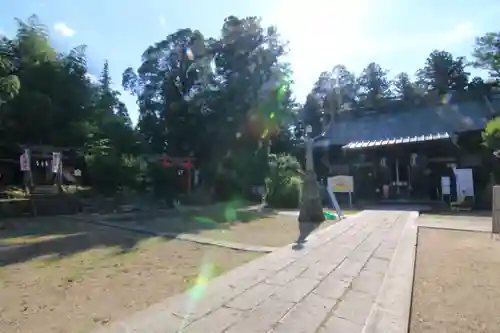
[(352, 277)]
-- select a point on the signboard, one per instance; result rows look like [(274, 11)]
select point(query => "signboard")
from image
[(24, 162), (341, 184), (56, 161), (465, 183)]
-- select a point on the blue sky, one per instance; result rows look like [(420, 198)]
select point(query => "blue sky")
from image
[(398, 34)]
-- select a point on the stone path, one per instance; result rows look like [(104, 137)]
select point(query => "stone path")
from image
[(355, 276)]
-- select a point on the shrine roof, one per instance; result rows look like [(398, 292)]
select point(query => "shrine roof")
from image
[(410, 123)]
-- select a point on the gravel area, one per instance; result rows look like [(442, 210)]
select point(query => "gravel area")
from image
[(457, 282), (70, 277)]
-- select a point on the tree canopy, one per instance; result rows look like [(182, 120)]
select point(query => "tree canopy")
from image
[(224, 100)]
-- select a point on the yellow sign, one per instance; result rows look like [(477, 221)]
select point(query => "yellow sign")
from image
[(341, 184)]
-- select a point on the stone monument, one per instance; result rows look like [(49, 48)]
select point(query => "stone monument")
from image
[(311, 208), (495, 223)]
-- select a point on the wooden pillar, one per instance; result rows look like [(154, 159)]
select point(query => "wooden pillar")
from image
[(495, 225)]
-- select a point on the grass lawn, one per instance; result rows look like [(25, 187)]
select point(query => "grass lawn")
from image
[(72, 277)]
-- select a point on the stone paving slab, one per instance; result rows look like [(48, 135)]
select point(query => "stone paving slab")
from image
[(391, 311), (354, 276)]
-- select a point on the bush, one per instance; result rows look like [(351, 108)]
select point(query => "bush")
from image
[(110, 172), (491, 139), (287, 195), (164, 181), (283, 186), (491, 134)]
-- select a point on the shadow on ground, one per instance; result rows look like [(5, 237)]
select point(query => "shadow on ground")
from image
[(24, 239)]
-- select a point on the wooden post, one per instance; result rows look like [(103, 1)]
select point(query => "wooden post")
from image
[(495, 225)]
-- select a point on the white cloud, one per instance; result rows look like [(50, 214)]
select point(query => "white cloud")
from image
[(460, 33), (163, 21), (323, 33), (63, 29)]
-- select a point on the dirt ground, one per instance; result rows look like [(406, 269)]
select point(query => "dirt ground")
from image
[(457, 282), (75, 277), (265, 229)]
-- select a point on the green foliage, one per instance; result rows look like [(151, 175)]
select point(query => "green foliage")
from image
[(491, 139), (110, 171), (165, 182), (491, 134), (221, 102), (287, 195), (47, 98), (226, 101), (283, 185), (487, 53), (376, 85), (443, 73)]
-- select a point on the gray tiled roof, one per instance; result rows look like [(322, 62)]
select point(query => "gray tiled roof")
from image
[(395, 141), (443, 119)]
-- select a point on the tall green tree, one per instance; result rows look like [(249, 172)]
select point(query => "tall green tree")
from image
[(405, 89), (487, 53), (312, 115), (374, 85), (336, 90), (37, 112), (443, 73), (162, 85), (210, 98)]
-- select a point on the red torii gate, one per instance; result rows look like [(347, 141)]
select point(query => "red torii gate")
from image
[(184, 162)]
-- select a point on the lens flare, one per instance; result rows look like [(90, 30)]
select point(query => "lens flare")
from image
[(230, 214), (446, 99), (189, 54), (198, 290), (205, 220)]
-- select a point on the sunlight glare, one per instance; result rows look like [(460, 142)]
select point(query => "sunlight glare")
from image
[(321, 33)]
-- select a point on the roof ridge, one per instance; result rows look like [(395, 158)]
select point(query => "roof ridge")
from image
[(447, 118)]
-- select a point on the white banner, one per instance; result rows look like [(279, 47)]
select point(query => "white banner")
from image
[(465, 183), (56, 161), (445, 186), (24, 161)]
